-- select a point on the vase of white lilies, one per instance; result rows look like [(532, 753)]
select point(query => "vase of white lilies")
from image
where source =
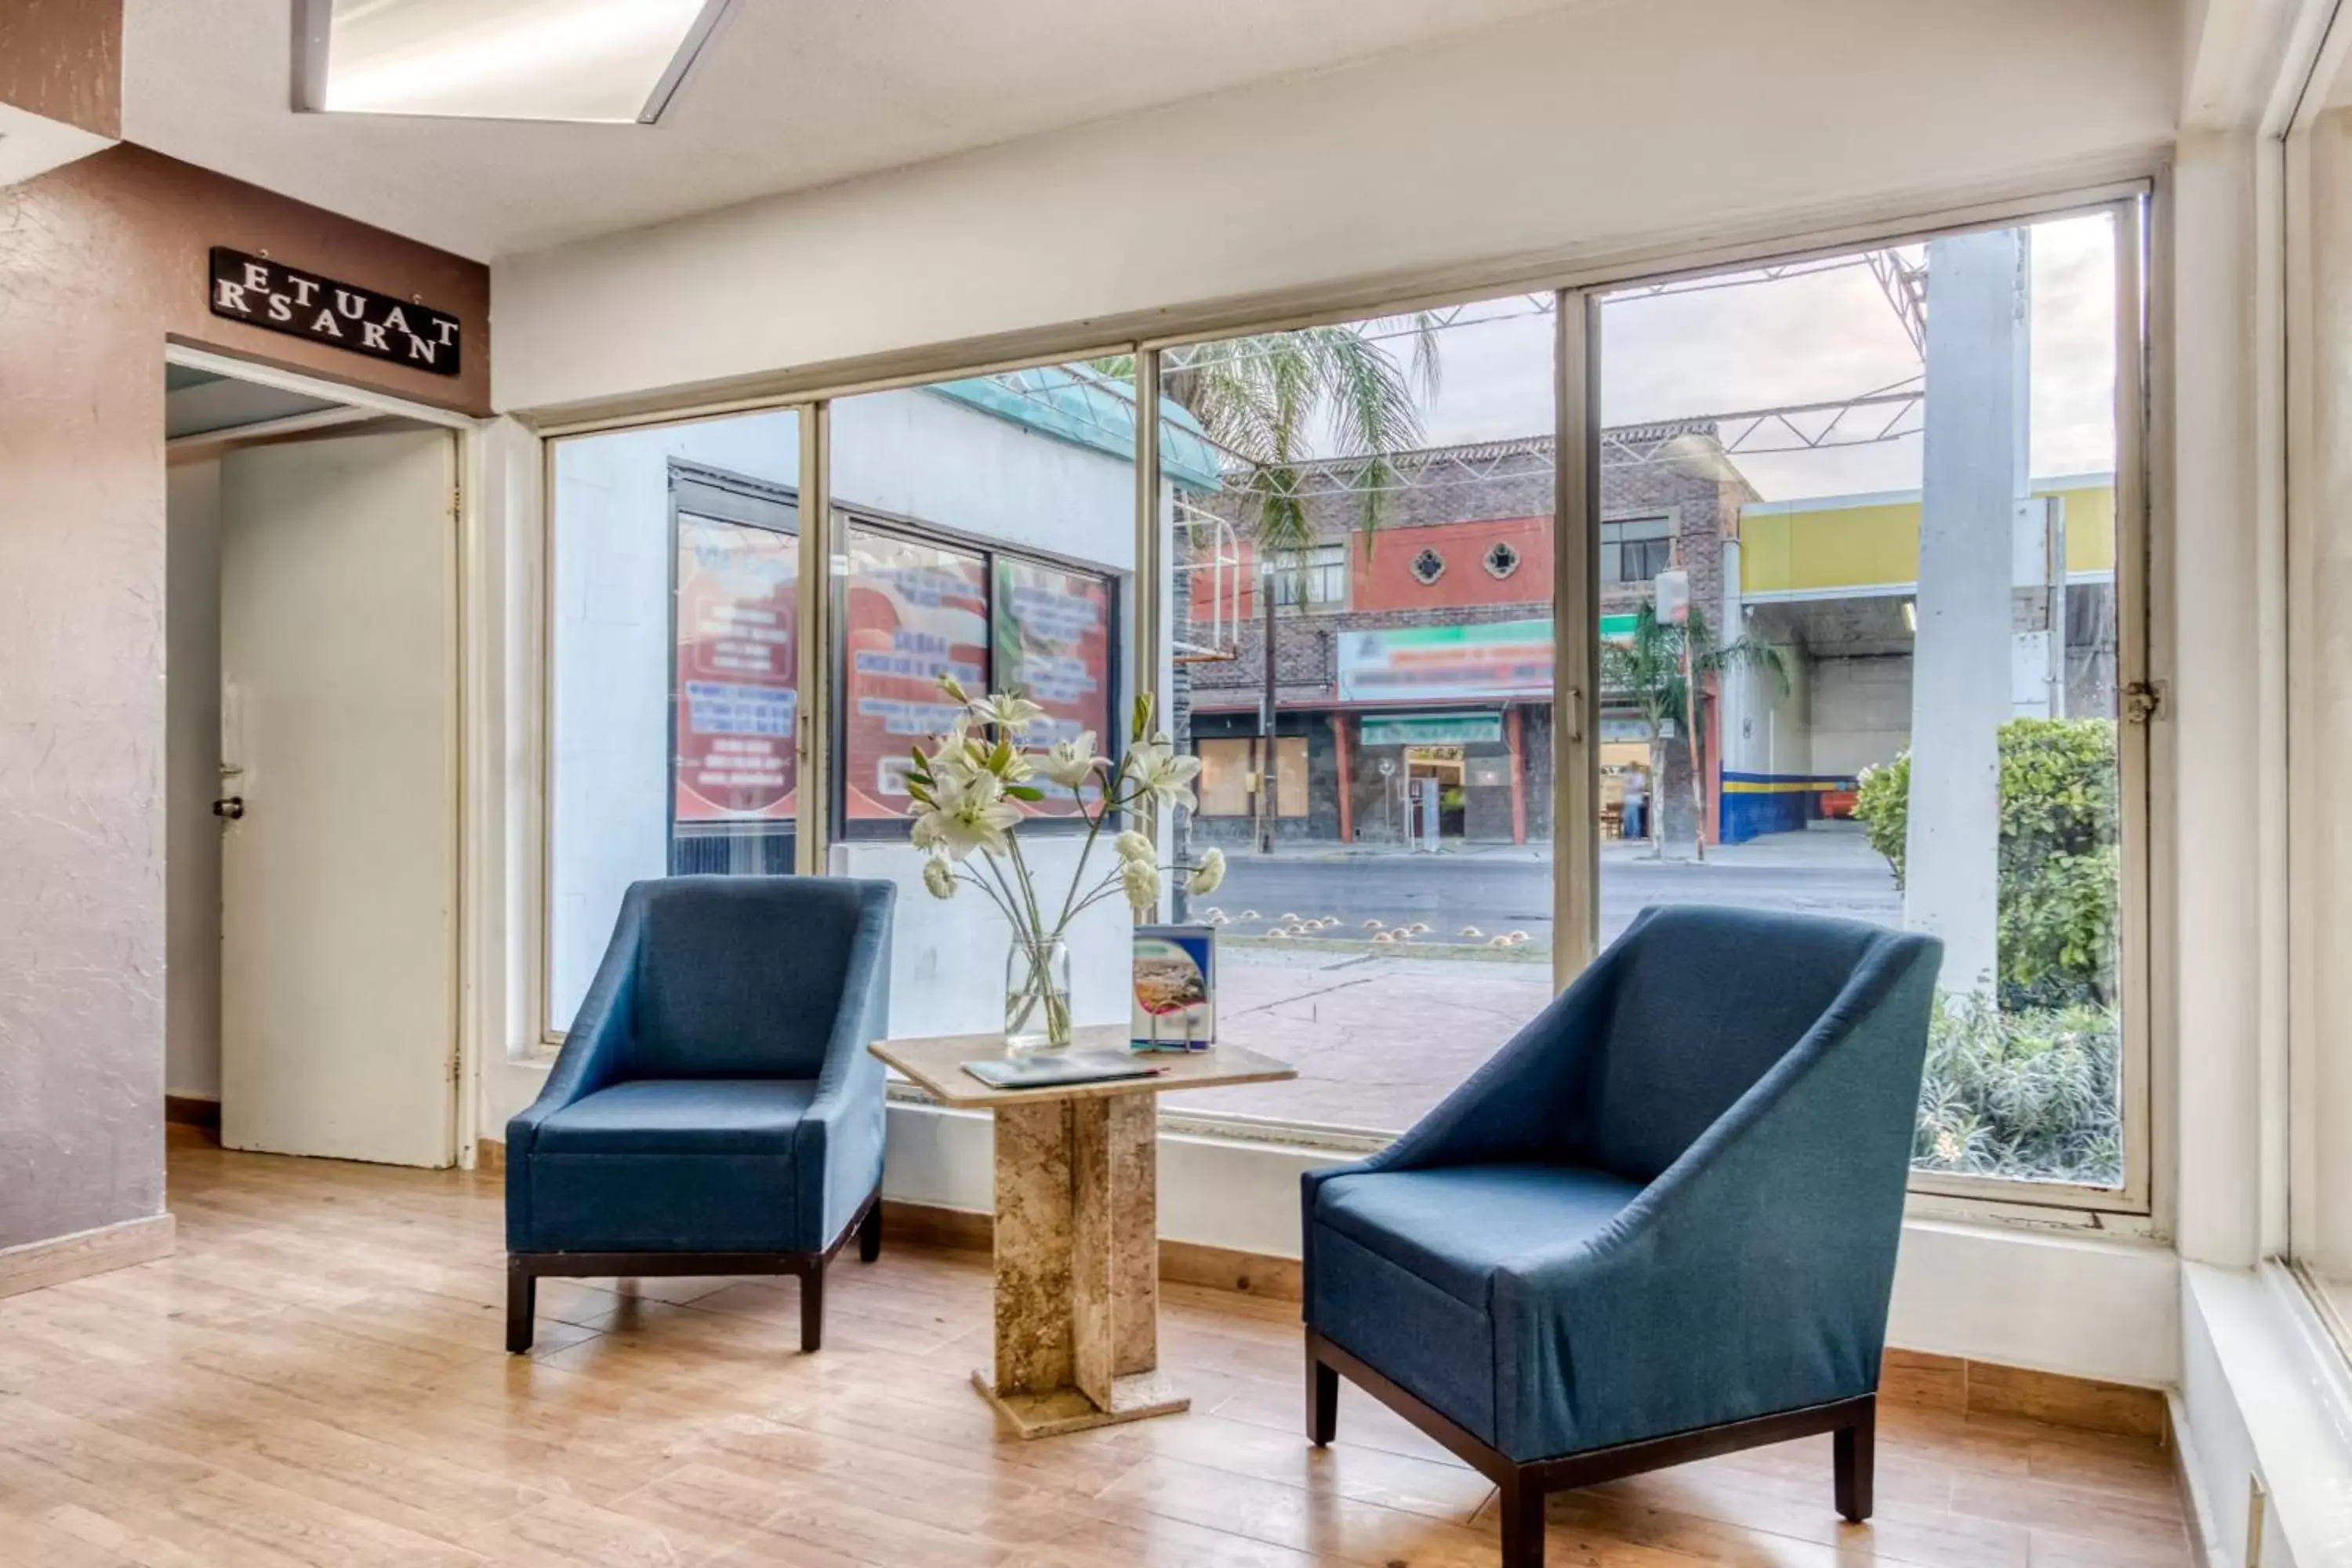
[(968, 790)]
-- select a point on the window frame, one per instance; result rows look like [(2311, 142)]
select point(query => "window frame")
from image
[(1296, 585), (1612, 549), (1575, 281), (848, 518), (718, 492)]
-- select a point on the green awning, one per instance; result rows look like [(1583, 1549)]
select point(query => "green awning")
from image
[(1432, 729)]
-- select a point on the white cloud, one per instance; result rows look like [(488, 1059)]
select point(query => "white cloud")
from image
[(1819, 336)]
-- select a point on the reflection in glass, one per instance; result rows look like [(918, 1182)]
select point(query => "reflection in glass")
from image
[(1863, 662), (914, 612)]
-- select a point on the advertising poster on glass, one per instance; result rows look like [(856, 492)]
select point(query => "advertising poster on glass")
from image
[(1052, 646), (733, 683), (912, 611)]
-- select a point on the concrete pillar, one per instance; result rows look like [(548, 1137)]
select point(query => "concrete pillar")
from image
[(1975, 477)]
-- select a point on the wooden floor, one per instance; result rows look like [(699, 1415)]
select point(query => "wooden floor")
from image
[(316, 1377)]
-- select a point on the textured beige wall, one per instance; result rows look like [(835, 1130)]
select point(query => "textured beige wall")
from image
[(100, 263), (62, 59)]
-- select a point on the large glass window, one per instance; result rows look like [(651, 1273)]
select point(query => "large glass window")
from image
[(1385, 921), (983, 528), (673, 679), (1881, 679)]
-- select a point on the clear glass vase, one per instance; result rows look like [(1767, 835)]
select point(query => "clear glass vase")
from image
[(1037, 995)]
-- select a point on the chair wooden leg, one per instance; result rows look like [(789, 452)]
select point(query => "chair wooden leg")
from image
[(1856, 1460), (870, 1233), (522, 1301), (1521, 1508), (1322, 1401), (812, 1308)]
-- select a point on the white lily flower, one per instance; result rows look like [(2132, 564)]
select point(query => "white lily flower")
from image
[(1134, 846), (1011, 710), (972, 813), (1141, 878), (1161, 774), (939, 878), (1208, 874), (1071, 763)]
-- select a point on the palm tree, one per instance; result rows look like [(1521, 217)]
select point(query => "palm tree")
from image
[(1269, 402), (1265, 400), (1654, 668)]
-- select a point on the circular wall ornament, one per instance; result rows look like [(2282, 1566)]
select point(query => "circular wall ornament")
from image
[(1428, 567), (1501, 560)]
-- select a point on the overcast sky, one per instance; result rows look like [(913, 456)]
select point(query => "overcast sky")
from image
[(1822, 336)]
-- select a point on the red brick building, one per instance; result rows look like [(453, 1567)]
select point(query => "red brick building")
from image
[(1422, 650)]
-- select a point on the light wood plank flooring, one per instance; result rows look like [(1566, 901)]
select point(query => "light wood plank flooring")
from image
[(316, 1378)]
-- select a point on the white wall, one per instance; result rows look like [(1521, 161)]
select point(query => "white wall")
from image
[(609, 631), (2216, 714), (919, 454), (192, 846), (1861, 712), (1767, 718), (1573, 134)]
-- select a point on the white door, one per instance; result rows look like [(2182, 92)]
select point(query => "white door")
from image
[(339, 737)]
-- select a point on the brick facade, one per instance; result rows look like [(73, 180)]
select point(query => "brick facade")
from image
[(1459, 502)]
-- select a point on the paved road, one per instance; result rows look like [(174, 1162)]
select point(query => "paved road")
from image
[(1504, 891)]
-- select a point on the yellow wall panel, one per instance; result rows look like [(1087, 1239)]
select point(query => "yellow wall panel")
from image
[(1831, 547)]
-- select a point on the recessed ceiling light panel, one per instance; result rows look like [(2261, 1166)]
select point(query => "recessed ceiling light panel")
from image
[(615, 61)]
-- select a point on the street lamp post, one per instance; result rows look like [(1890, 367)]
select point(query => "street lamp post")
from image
[(1268, 789)]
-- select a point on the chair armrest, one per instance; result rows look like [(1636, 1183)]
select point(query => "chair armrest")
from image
[(596, 1047), (1521, 1103), (838, 1149), (1753, 1275)]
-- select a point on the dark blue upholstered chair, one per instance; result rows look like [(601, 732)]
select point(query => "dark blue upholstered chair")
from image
[(715, 1109), (1659, 1223)]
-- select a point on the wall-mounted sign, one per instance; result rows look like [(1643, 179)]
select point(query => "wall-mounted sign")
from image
[(1456, 663), (269, 294)]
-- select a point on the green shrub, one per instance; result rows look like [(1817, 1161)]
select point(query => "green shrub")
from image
[(2031, 1095), (1882, 804), (2059, 881)]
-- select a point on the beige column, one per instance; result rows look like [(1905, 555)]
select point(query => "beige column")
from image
[(1078, 1265)]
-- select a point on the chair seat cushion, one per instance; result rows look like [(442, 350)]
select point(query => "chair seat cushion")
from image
[(667, 1165), (1453, 1227), (682, 1116)]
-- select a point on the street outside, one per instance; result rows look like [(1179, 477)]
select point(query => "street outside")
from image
[(1380, 1035)]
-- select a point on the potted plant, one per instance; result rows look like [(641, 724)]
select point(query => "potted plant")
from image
[(968, 790)]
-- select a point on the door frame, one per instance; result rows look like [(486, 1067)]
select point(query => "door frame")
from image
[(468, 713)]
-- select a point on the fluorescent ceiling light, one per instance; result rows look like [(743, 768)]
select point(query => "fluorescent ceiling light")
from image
[(616, 61)]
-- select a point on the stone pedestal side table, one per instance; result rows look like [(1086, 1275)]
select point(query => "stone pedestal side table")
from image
[(1077, 1225)]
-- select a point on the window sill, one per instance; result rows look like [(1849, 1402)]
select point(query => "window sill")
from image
[(2265, 1398)]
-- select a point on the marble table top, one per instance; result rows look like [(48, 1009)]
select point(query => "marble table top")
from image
[(936, 1067)]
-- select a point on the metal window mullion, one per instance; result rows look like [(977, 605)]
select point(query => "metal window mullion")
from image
[(813, 760), (1148, 587), (2134, 578), (1576, 601)]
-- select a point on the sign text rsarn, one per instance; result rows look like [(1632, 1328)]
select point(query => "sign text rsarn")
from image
[(269, 294)]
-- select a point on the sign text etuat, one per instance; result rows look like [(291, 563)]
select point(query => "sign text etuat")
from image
[(300, 304)]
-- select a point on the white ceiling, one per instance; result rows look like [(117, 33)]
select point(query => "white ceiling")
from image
[(791, 93)]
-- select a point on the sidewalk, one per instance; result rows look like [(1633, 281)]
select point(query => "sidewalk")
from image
[(1831, 845), (1377, 1041)]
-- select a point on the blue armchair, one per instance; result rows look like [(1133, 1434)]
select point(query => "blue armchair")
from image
[(715, 1109), (1659, 1224)]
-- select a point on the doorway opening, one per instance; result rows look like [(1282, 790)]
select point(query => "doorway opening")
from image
[(310, 766)]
